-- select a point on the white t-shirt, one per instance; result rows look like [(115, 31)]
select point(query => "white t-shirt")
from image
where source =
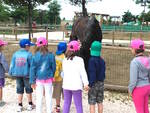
[(75, 76)]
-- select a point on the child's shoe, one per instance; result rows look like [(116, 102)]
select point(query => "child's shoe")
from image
[(57, 109), (2, 103), (30, 107), (19, 109)]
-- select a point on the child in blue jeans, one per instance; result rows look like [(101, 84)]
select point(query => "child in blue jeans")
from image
[(3, 69), (19, 68), (42, 71), (75, 77)]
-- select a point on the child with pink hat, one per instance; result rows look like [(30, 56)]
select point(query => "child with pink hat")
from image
[(75, 77), (43, 66), (139, 85), (3, 69)]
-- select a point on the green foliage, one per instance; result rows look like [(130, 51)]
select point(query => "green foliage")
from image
[(19, 14), (40, 16), (76, 2), (145, 17), (54, 12), (128, 17), (4, 13), (79, 2), (25, 2)]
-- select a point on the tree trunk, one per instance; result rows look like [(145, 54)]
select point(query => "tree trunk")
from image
[(30, 19), (84, 10)]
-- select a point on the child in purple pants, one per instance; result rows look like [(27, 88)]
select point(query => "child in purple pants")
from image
[(139, 86), (74, 75), (3, 69)]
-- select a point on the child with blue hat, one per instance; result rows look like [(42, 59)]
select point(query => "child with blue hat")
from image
[(60, 55), (19, 68)]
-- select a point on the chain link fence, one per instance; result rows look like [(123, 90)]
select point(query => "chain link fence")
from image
[(117, 61)]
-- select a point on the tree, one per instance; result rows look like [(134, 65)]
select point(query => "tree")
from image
[(41, 16), (128, 17), (4, 13), (26, 3), (19, 14), (81, 2), (54, 12)]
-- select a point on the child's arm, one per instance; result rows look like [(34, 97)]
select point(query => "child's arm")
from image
[(12, 65), (133, 76), (53, 66), (4, 63), (32, 77), (103, 69)]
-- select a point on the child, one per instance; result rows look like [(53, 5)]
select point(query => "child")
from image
[(3, 69), (96, 75), (74, 78), (19, 68), (139, 86), (61, 49), (42, 70), (33, 48)]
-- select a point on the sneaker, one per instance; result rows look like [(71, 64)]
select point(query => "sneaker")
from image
[(57, 109), (30, 107), (19, 109), (2, 103)]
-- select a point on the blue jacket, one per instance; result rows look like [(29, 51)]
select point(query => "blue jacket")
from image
[(96, 70), (20, 63), (42, 67), (3, 66)]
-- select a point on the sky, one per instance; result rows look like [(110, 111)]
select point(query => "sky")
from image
[(111, 7)]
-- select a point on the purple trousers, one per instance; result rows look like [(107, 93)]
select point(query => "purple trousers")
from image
[(77, 96)]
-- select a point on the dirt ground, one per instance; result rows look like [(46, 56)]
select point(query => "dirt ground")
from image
[(117, 35), (113, 102)]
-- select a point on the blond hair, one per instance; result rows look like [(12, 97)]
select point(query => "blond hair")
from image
[(42, 49)]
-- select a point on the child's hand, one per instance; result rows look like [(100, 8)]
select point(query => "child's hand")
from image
[(33, 86), (129, 95), (86, 88)]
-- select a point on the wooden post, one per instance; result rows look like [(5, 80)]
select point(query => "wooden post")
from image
[(113, 38), (141, 34), (15, 32), (3, 35), (130, 37), (46, 33)]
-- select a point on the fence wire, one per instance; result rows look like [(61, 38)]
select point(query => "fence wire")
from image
[(117, 64)]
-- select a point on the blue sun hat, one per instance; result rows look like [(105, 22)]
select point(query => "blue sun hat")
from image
[(25, 42), (61, 47), (96, 48)]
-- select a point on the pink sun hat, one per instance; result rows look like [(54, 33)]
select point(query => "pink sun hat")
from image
[(41, 41), (74, 46), (2, 43), (137, 44)]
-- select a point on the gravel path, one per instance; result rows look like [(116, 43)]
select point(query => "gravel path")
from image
[(113, 103)]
